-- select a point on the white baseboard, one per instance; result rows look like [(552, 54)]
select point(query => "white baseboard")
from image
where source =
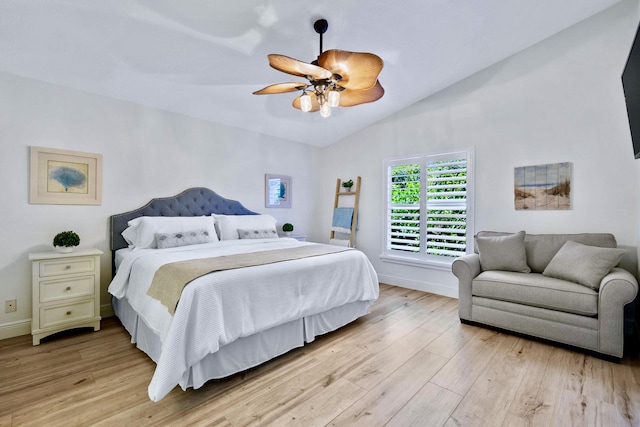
[(15, 329), (23, 327), (419, 286)]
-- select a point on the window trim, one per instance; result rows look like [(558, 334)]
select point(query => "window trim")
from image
[(421, 259)]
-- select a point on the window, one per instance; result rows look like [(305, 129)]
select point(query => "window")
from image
[(428, 209)]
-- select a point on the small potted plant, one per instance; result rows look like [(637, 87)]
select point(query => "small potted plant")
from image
[(287, 228), (65, 241), (348, 184)]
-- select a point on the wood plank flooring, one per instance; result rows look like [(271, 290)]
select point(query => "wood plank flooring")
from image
[(409, 362)]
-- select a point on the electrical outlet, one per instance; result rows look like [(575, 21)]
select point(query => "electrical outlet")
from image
[(10, 306)]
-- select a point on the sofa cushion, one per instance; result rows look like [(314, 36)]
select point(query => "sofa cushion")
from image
[(583, 264), (505, 253), (536, 290), (541, 248)]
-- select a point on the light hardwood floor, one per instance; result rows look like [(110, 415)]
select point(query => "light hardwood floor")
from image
[(409, 362)]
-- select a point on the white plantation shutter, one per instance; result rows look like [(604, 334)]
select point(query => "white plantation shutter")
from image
[(447, 207), (428, 208), (403, 208)]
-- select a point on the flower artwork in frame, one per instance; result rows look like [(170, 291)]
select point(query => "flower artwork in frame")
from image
[(64, 177), (543, 187), (277, 191)]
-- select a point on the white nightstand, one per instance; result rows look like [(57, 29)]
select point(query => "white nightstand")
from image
[(66, 291)]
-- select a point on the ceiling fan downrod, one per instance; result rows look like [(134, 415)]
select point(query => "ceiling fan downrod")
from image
[(321, 26)]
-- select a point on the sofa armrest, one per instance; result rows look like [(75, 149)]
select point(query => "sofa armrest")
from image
[(617, 289), (465, 268)]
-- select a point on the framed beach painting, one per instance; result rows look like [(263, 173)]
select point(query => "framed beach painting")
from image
[(63, 177), (543, 187), (278, 191)]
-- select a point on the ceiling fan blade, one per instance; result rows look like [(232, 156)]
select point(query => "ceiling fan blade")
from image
[(349, 98), (358, 70), (297, 68), (281, 88), (315, 106)]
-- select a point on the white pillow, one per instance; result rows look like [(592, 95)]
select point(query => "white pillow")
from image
[(142, 231), (228, 225)]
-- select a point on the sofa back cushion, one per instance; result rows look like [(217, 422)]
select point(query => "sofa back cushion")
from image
[(541, 248)]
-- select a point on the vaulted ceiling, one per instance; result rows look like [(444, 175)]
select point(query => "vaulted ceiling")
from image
[(204, 58)]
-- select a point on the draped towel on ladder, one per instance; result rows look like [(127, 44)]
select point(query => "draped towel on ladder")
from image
[(342, 219)]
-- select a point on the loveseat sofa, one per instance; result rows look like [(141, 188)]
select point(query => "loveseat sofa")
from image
[(561, 287)]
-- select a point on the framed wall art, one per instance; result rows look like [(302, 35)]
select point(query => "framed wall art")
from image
[(278, 191), (63, 177), (543, 187)]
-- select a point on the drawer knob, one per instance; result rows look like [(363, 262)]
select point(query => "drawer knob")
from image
[(68, 267), (69, 313), (68, 288)]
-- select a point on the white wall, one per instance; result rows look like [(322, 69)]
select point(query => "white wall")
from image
[(146, 153), (559, 101)]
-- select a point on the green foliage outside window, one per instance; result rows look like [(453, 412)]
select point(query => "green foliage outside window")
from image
[(446, 227), (405, 220)]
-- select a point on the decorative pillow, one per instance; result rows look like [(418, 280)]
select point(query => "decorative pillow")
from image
[(142, 231), (505, 253), (269, 233), (583, 264), (182, 238), (228, 225)]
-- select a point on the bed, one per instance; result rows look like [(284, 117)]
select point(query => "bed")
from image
[(230, 319)]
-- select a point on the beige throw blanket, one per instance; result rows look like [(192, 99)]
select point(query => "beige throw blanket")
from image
[(170, 279)]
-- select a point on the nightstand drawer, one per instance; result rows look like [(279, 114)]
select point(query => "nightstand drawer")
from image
[(52, 316), (67, 266), (67, 288)]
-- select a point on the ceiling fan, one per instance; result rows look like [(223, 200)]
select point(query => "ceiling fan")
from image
[(338, 78)]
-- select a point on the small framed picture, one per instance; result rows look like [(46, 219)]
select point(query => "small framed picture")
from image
[(278, 191), (63, 177)]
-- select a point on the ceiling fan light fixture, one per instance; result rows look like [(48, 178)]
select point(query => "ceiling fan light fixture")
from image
[(335, 71), (305, 102)]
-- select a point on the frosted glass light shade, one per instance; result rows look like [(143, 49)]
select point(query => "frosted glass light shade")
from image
[(325, 110), (305, 102), (334, 98)]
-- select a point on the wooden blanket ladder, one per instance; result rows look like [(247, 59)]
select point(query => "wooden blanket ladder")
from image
[(341, 200)]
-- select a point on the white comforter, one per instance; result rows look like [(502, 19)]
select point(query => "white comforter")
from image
[(216, 309)]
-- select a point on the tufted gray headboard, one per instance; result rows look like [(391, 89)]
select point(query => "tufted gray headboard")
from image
[(192, 202)]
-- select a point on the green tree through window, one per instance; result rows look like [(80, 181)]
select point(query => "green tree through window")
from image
[(428, 206)]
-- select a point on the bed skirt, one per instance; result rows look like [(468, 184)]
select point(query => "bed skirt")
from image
[(246, 352)]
